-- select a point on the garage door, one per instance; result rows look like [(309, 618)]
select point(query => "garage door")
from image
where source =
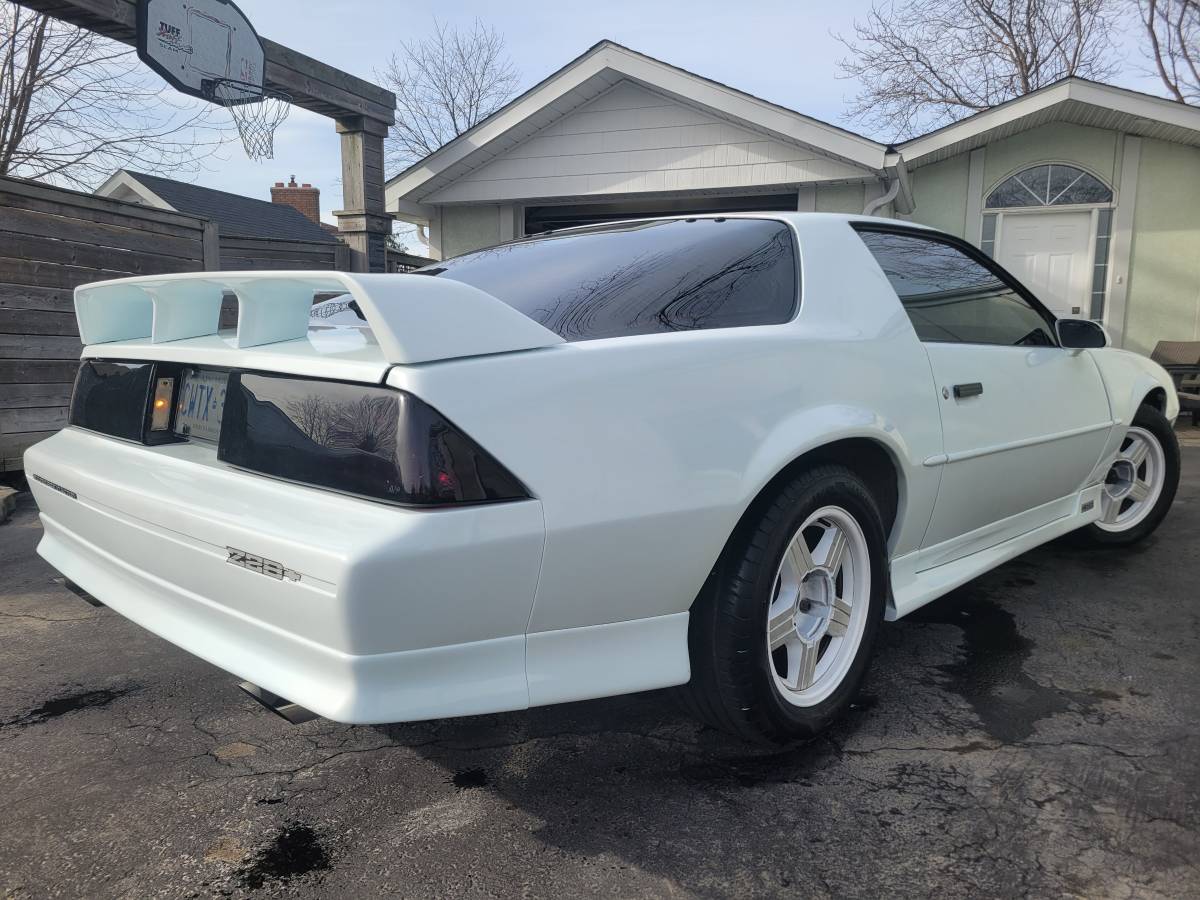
[(539, 219)]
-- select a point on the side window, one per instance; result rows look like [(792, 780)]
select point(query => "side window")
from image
[(951, 297), (641, 278)]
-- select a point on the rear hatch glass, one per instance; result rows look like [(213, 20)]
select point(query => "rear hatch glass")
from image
[(641, 278)]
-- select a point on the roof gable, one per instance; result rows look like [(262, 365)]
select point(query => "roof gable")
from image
[(1074, 100), (596, 72), (631, 139), (236, 215)]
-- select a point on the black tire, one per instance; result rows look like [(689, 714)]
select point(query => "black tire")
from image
[(733, 686), (1151, 420)]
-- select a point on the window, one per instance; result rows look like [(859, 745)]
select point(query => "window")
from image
[(1048, 185), (1100, 261), (951, 297), (642, 278)]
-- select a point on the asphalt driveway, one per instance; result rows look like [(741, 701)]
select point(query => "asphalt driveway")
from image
[(1034, 733)]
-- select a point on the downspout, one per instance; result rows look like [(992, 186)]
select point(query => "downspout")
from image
[(879, 202)]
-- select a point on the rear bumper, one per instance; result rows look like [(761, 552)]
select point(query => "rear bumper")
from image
[(396, 614)]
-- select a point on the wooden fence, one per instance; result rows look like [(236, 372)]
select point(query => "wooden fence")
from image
[(52, 240), (262, 253), (395, 262)]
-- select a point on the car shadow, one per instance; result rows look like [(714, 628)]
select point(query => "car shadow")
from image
[(634, 782)]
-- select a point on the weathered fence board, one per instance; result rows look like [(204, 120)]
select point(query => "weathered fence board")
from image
[(48, 274), (37, 321), (36, 371), (70, 253), (16, 396), (27, 419), (39, 346), (238, 253), (53, 240), (28, 296), (22, 194), (64, 228)]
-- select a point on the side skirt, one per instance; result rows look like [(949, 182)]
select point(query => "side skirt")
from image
[(913, 585)]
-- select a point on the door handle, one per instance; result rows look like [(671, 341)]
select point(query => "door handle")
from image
[(972, 389)]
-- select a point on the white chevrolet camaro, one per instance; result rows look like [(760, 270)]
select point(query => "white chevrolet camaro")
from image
[(712, 451)]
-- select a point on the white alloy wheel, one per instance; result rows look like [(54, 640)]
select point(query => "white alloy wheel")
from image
[(819, 606), (1134, 481)]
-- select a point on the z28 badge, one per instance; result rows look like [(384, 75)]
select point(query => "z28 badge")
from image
[(268, 567)]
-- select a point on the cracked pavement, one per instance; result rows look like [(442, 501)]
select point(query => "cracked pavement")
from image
[(1033, 733)]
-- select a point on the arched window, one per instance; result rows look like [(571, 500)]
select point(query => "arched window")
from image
[(1049, 185)]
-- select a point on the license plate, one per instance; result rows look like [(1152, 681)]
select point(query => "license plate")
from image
[(201, 403)]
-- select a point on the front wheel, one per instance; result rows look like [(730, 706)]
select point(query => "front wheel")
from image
[(1140, 484), (782, 634)]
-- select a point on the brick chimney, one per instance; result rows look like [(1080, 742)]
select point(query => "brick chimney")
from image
[(303, 197)]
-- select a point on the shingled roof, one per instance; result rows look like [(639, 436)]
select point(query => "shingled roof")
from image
[(237, 216)]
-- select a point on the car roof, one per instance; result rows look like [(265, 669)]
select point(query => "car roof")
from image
[(795, 218)]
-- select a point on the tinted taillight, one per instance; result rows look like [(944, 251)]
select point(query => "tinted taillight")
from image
[(122, 399), (111, 397), (374, 442)]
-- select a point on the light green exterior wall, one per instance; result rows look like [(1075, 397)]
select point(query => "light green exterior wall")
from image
[(840, 198), (1163, 301), (465, 228), (1094, 149), (1164, 278), (940, 192)]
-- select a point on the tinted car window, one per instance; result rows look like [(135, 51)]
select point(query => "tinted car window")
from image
[(951, 297), (657, 276)]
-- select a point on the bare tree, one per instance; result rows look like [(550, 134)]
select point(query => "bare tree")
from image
[(312, 415), (1173, 35), (924, 63), (444, 85), (74, 106)]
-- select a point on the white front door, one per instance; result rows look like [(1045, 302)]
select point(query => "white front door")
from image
[(1018, 450), (1051, 254), (1023, 420)]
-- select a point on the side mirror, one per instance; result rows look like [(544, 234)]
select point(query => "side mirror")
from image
[(1080, 334)]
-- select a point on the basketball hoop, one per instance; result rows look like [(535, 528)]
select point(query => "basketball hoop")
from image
[(256, 112)]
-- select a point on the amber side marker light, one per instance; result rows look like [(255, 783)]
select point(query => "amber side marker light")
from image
[(160, 407)]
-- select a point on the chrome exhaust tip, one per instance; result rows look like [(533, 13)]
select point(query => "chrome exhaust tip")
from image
[(281, 706), (78, 591)]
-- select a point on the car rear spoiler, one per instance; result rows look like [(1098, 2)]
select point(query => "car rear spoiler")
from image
[(415, 318)]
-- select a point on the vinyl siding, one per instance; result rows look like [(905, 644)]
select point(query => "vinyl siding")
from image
[(1164, 281), (633, 140)]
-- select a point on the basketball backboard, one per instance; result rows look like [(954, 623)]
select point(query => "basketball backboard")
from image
[(193, 43)]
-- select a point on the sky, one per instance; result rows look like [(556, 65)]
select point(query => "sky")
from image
[(784, 52)]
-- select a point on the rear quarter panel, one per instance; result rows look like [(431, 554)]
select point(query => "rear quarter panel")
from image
[(645, 451)]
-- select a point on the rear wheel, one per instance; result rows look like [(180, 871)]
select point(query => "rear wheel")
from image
[(1140, 484), (782, 635)]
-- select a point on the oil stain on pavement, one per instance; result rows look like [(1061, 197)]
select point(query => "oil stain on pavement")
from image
[(67, 703), (296, 850), (990, 671)]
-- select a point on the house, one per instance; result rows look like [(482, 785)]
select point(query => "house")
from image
[(293, 213), (1088, 192)]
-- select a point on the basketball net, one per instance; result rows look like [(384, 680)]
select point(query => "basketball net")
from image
[(256, 112)]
